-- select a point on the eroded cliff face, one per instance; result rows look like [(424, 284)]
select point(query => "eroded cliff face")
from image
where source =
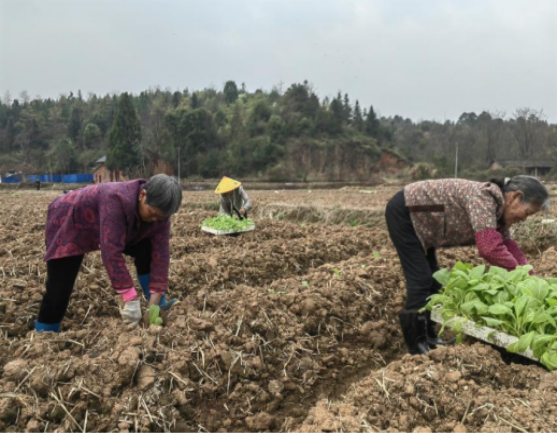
[(330, 160), (339, 161)]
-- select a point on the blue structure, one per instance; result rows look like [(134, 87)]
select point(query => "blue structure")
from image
[(80, 178), (13, 179)]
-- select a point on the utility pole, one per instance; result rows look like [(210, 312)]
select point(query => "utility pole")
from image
[(179, 177), (456, 161)]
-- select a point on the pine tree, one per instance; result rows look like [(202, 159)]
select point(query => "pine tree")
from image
[(347, 109), (358, 118), (337, 115), (76, 121), (372, 123), (124, 137)]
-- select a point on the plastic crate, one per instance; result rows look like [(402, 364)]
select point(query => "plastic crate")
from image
[(486, 334), (217, 232)]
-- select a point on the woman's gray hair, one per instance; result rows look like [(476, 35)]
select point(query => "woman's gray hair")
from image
[(164, 193), (533, 191)]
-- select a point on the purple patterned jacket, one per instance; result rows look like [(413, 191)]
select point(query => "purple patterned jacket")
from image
[(104, 216)]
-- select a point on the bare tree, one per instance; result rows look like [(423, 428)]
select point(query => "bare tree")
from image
[(527, 128), (491, 125), (24, 96), (7, 99)]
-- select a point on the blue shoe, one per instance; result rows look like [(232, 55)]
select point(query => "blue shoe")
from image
[(41, 327), (164, 304), (167, 304)]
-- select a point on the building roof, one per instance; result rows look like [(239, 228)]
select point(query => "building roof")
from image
[(101, 160), (524, 164)]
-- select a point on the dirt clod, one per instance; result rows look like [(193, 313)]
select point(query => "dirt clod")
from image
[(260, 422)]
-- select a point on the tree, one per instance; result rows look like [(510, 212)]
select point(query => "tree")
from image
[(468, 118), (176, 98), (372, 123), (194, 102), (255, 154), (347, 110), (194, 133), (358, 119), (24, 96), (7, 99), (157, 136), (92, 136), (236, 122), (230, 92), (276, 129), (124, 137), (491, 127), (527, 128), (62, 157), (337, 116), (299, 98), (258, 117), (76, 121), (12, 131)]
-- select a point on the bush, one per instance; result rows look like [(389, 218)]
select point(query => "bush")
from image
[(422, 171), (280, 173), (486, 175)]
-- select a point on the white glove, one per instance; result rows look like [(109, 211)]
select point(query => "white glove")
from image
[(131, 313)]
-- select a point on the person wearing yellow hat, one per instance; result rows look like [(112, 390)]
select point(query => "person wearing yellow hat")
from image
[(233, 198)]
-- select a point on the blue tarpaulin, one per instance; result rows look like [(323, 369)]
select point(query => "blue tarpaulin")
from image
[(11, 179), (66, 179)]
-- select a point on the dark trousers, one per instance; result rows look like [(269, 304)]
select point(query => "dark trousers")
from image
[(61, 274), (418, 266)]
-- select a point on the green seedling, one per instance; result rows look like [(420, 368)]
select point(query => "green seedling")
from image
[(513, 302), (363, 266), (337, 272), (154, 318), (376, 255), (305, 283), (227, 223), (275, 292)]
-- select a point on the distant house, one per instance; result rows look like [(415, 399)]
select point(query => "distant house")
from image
[(103, 174), (528, 167)]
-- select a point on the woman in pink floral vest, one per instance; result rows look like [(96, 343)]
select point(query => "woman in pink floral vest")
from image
[(454, 212)]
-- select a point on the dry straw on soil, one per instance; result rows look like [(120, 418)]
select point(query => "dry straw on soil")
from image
[(292, 327)]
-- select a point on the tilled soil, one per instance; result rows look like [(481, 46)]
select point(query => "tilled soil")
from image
[(463, 388), (347, 198), (291, 327)]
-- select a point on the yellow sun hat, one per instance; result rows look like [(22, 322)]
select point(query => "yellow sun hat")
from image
[(226, 185)]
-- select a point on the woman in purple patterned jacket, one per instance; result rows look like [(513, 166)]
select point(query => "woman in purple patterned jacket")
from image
[(118, 218), (454, 212)]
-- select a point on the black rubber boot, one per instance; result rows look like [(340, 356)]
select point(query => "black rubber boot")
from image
[(414, 329), (433, 338)]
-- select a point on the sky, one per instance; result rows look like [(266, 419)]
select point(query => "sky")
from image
[(427, 59)]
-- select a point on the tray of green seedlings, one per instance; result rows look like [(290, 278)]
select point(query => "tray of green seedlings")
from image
[(226, 225), (509, 309)]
